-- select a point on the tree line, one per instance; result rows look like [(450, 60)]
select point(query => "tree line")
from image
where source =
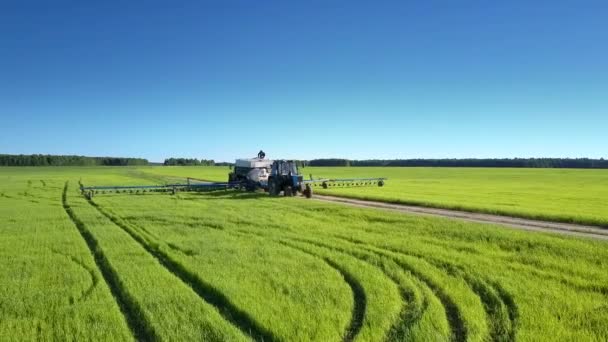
[(66, 160), (72, 160), (188, 161), (575, 163)]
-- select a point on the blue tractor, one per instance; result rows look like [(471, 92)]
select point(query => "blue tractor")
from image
[(284, 177)]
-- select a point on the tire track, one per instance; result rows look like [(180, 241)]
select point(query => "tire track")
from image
[(548, 271), (132, 312), (404, 316), (492, 299), (359, 297), (457, 326), (512, 308), (501, 314), (488, 290), (239, 318), (406, 320), (90, 271), (492, 295), (454, 316)]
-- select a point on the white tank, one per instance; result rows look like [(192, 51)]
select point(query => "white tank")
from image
[(258, 175), (254, 163)]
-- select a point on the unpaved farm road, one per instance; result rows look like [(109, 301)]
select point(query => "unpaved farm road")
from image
[(506, 221)]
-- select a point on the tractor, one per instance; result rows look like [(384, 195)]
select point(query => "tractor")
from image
[(284, 177)]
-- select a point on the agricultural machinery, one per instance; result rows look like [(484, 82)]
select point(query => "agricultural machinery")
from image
[(273, 176)]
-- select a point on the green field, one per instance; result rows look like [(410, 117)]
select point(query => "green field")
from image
[(228, 265), (579, 196)]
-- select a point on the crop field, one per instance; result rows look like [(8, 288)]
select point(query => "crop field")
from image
[(238, 266), (567, 195)]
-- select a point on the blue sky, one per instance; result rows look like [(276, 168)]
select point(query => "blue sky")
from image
[(355, 79)]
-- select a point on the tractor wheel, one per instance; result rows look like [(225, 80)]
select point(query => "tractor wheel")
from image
[(273, 189), (381, 183), (288, 191), (250, 186), (308, 191)]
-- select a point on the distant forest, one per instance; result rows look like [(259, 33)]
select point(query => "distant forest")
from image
[(579, 163), (58, 160), (188, 161), (61, 160)]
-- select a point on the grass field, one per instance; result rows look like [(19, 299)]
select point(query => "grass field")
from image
[(567, 195), (234, 266)]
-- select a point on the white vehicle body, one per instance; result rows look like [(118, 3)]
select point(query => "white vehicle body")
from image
[(254, 163), (259, 175), (255, 170)]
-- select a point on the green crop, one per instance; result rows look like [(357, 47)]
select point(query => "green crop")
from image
[(461, 280), (231, 265), (50, 287), (567, 195)]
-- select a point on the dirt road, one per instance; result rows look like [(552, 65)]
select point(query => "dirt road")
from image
[(506, 221)]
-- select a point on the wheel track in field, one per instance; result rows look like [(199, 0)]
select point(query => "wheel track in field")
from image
[(535, 270), (498, 303), (492, 295), (94, 279), (597, 288), (404, 316), (457, 327), (131, 311), (453, 316), (499, 306), (456, 324), (359, 298), (206, 292), (482, 287)]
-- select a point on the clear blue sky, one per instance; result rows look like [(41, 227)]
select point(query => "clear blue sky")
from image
[(355, 79)]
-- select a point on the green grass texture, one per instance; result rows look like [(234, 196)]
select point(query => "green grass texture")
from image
[(231, 266), (564, 195)]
